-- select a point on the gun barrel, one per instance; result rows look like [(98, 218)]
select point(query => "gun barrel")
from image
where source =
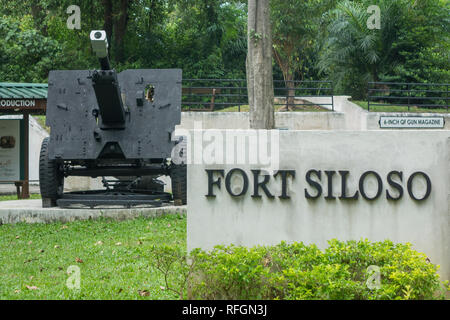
[(106, 85), (109, 99), (104, 63)]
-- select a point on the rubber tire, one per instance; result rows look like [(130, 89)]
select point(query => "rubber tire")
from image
[(178, 175), (51, 182)]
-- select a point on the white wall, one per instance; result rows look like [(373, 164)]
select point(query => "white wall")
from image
[(249, 221), (239, 120), (346, 116), (356, 118), (37, 134)]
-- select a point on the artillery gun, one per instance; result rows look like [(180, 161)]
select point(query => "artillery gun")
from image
[(118, 126)]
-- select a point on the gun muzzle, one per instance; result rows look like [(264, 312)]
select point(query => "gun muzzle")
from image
[(99, 44)]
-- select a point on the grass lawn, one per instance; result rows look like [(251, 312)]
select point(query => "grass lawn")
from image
[(393, 108), (114, 258), (14, 197)]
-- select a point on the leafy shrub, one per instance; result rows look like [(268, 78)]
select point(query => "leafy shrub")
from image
[(26, 55), (297, 271)]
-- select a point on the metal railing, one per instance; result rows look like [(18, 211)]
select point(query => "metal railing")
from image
[(408, 95), (217, 94)]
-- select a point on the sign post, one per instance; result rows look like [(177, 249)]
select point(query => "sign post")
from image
[(26, 173)]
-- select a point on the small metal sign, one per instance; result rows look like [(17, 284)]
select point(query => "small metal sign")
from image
[(389, 122)]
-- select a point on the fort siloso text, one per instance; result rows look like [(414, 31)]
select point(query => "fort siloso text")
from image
[(319, 183)]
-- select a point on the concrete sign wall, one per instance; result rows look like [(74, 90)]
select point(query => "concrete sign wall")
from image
[(316, 186)]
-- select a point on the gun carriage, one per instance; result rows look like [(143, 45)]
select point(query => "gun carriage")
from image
[(118, 126)]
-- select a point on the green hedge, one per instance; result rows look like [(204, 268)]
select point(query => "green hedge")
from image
[(298, 271)]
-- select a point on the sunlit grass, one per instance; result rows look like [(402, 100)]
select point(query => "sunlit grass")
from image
[(299, 108), (14, 197), (394, 108), (114, 258)]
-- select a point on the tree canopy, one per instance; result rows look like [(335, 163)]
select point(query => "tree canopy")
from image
[(312, 40), (412, 44)]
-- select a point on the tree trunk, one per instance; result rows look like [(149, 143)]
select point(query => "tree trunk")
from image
[(39, 14), (108, 22), (286, 66), (290, 86), (259, 65), (120, 28)]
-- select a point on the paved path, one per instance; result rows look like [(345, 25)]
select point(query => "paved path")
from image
[(10, 188), (31, 211)]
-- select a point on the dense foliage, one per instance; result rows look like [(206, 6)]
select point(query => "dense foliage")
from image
[(412, 44), (206, 38), (313, 40), (297, 271), (25, 54)]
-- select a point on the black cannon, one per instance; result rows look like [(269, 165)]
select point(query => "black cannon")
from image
[(118, 126)]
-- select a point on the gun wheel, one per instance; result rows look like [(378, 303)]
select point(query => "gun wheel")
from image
[(51, 180)]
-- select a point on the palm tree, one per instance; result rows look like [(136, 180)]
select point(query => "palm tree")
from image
[(352, 53)]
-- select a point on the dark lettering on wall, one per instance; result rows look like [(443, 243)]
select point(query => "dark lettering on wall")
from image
[(211, 182), (315, 187), (410, 185), (228, 182), (344, 175), (313, 184), (395, 185), (361, 185), (262, 185), (284, 175), (330, 175)]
